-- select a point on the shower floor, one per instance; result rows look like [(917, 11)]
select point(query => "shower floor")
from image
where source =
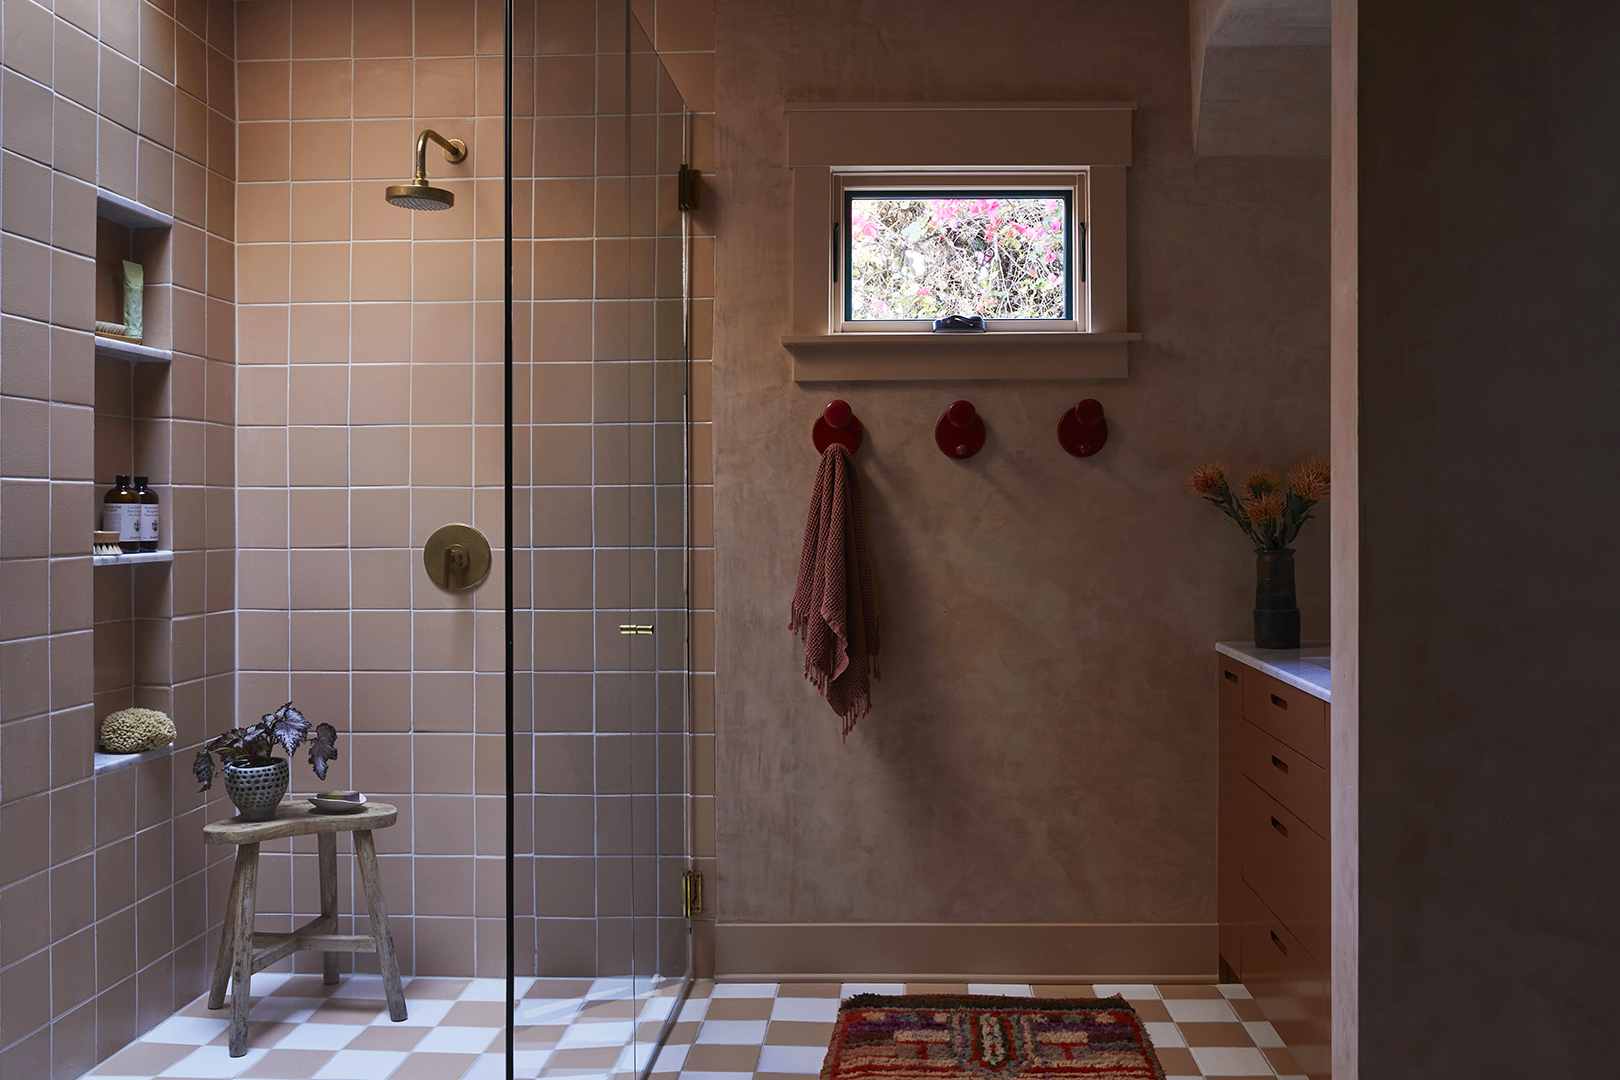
[(300, 1029), (584, 1029)]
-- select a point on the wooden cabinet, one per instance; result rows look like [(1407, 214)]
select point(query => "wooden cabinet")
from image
[(1274, 869)]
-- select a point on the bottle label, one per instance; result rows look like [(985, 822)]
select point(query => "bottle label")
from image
[(123, 518), (149, 523)]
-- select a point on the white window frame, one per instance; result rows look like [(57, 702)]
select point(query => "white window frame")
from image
[(836, 143), (943, 183)]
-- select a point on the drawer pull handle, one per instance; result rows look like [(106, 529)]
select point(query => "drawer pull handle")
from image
[(1280, 827), (1279, 763), (1231, 676), (1277, 941), (1281, 703)]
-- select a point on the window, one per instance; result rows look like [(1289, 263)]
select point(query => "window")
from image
[(1013, 255)]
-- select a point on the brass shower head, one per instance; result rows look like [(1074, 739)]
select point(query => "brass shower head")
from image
[(418, 195)]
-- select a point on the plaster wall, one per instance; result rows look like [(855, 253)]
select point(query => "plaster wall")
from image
[(1486, 736), (1042, 747)]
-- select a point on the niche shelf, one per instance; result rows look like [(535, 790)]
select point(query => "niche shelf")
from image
[(128, 350), (131, 558), (106, 763), (128, 212)]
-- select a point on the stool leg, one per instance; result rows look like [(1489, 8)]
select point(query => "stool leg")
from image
[(227, 936), (365, 853), (327, 847), (247, 872)]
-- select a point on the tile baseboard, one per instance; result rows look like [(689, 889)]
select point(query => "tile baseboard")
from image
[(954, 952)]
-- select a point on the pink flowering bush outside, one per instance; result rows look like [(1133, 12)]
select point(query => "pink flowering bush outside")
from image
[(920, 258)]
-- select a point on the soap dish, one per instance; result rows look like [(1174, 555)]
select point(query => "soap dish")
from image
[(338, 802)]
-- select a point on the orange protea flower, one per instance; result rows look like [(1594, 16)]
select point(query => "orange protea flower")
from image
[(1310, 480), (1263, 482), (1264, 507), (1207, 478)]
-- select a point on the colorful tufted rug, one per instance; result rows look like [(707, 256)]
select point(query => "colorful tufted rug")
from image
[(947, 1037)]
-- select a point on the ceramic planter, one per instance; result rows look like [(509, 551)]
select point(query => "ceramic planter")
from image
[(1276, 612), (256, 789)]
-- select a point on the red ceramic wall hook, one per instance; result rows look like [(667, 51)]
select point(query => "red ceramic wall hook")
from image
[(960, 430), (1082, 431), (837, 424)]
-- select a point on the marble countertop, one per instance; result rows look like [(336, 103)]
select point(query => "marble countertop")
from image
[(1305, 667)]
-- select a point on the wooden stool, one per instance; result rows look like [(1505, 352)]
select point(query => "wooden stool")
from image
[(243, 952)]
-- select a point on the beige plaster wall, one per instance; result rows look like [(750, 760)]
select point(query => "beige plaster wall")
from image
[(1042, 744)]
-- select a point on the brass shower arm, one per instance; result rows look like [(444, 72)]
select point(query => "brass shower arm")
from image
[(454, 151)]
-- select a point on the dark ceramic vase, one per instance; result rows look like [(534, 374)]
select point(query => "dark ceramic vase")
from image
[(1276, 613), (257, 789)]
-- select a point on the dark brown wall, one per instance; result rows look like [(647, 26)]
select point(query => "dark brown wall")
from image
[(1488, 582)]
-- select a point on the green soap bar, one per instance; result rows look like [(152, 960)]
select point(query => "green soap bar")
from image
[(134, 288)]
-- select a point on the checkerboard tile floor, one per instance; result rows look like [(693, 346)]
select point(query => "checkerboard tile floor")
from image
[(607, 1029)]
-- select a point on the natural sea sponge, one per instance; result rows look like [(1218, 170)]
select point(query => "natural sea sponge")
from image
[(130, 731)]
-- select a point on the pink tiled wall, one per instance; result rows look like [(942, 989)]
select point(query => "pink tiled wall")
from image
[(104, 900)]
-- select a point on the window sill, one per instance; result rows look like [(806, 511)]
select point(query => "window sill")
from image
[(937, 357)]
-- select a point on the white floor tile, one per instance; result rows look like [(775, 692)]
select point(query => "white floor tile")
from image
[(548, 1010), (284, 1010), (1230, 1061), (1001, 989), (319, 1037), (491, 1067), (733, 1032), (657, 1007), (1234, 991), (488, 990), (693, 1009), (611, 989), (1131, 991), (421, 1012), (809, 1010), (190, 1030), (671, 1058), (457, 1040), (267, 982), (361, 1065), (749, 990), (1164, 1035), (1200, 1010), (214, 1061), (1262, 1033), (792, 1059), (851, 989), (598, 1033)]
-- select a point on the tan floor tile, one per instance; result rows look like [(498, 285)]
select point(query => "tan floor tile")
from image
[(585, 1057), (1177, 1062), (1282, 1060), (309, 986), (145, 1058), (558, 988), (437, 989), (1190, 990), (1246, 1009), (349, 1011), (936, 988), (388, 1037), (1211, 1034), (798, 1033), (259, 1033), (1065, 991), (475, 1014), (809, 989), (289, 1064), (1150, 1012), (702, 988), (200, 1008), (433, 1067), (531, 1035), (684, 1033), (622, 1009), (714, 1057), (730, 1008)]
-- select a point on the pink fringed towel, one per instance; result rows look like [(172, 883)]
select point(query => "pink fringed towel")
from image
[(834, 608)]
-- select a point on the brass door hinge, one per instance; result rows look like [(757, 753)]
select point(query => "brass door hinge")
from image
[(635, 628), (686, 189), (691, 893)]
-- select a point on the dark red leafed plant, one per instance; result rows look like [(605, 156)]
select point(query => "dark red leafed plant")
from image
[(256, 744)]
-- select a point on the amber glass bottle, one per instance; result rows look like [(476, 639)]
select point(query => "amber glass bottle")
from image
[(121, 512), (149, 514)]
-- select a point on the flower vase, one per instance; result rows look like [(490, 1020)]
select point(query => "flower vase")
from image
[(257, 789), (1276, 614)]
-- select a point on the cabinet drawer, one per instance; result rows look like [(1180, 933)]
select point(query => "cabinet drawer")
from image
[(1288, 713), (1287, 865), (1291, 989), (1286, 775)]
